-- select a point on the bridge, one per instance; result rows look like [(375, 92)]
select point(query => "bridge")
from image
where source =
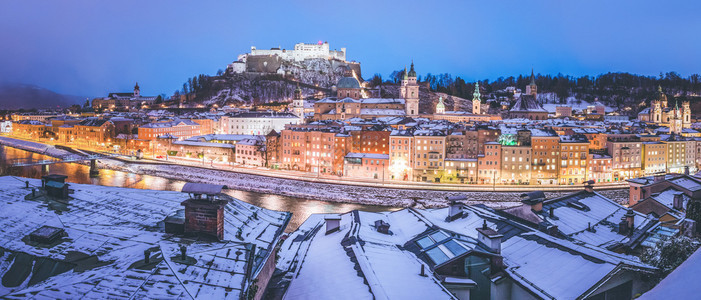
[(94, 171)]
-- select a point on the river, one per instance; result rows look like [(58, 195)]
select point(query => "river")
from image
[(77, 173)]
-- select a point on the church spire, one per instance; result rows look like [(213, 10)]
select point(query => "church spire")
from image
[(532, 77), (406, 75), (412, 73)]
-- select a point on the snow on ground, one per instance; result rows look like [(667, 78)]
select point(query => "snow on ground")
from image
[(574, 103), (331, 192), (34, 147)]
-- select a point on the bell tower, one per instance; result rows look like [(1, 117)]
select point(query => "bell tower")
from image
[(686, 113), (532, 88), (298, 103), (137, 91), (476, 104), (410, 92)]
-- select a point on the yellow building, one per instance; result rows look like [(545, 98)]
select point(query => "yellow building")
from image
[(654, 157), (574, 153), (516, 164), (429, 155), (676, 154)]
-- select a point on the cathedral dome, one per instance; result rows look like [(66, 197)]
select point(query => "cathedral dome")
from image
[(348, 83)]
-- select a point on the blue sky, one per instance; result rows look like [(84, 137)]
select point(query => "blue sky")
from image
[(92, 47)]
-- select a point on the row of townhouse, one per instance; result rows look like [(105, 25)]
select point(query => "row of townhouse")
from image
[(484, 156)]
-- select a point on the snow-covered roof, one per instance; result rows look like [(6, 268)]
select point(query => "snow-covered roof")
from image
[(326, 266), (360, 260), (203, 188), (382, 112), (108, 229), (382, 101), (527, 103), (592, 218), (204, 144), (367, 155)]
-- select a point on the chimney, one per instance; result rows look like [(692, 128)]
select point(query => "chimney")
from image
[(333, 223), (623, 226), (454, 210), (686, 170), (147, 255), (183, 252), (534, 199), (382, 226), (589, 186), (490, 238), (630, 220), (552, 212), (204, 215), (659, 177), (678, 202)]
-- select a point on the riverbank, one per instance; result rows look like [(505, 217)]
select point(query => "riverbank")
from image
[(419, 198)]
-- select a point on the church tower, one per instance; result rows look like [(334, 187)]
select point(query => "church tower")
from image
[(137, 92), (298, 103), (531, 88), (661, 97), (656, 112), (410, 92), (476, 103), (686, 114), (440, 107), (676, 124)]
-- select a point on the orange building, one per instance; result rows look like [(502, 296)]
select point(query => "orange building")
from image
[(546, 149), (181, 129), (310, 151), (489, 164), (94, 132)]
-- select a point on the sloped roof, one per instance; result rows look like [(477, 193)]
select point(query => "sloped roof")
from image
[(108, 230), (527, 103)]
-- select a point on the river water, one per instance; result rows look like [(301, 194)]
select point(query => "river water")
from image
[(77, 173)]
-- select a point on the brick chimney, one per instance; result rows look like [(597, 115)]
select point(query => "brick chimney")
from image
[(678, 201), (490, 238), (630, 220), (205, 216), (204, 211)]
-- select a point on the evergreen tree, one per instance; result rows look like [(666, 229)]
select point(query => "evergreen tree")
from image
[(669, 253), (693, 212)]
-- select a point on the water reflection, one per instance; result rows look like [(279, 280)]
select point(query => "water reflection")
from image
[(77, 173)]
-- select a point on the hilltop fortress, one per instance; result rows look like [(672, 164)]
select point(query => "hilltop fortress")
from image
[(273, 60), (303, 51)]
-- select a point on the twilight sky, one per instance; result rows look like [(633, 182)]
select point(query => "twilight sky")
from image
[(90, 47)]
